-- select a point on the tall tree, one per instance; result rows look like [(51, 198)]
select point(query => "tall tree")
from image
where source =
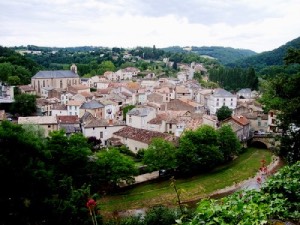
[(223, 113), (282, 93), (160, 155), (228, 141), (198, 150), (24, 104)]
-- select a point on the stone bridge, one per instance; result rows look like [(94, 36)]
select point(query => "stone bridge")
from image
[(268, 141)]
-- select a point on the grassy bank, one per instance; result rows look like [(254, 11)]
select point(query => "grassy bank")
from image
[(193, 188)]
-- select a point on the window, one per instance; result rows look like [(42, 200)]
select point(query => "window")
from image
[(130, 120), (170, 126), (217, 99), (231, 99), (259, 123), (271, 114), (217, 103), (60, 84), (101, 134)]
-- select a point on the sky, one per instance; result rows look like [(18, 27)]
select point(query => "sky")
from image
[(258, 25)]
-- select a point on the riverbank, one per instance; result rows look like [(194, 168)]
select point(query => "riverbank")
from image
[(193, 188)]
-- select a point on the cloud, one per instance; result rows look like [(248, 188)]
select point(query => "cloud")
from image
[(256, 25)]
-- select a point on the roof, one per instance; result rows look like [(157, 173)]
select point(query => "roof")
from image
[(222, 93), (143, 135), (37, 120), (92, 105), (68, 119), (104, 123), (55, 74), (142, 111)]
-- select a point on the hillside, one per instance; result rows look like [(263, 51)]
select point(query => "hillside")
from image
[(225, 55), (268, 58)]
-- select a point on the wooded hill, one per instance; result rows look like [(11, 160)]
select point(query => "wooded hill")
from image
[(224, 55), (268, 58)]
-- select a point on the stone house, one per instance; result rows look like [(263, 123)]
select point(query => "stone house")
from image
[(240, 125), (102, 129), (47, 123), (94, 107), (258, 122), (70, 124), (136, 139), (139, 117)]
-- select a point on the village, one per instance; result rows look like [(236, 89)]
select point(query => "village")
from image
[(158, 107)]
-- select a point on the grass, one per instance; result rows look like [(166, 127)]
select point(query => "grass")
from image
[(193, 188)]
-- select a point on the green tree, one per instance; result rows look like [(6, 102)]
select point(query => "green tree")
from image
[(26, 179), (69, 155), (6, 70), (24, 104), (126, 109), (111, 168), (160, 155), (106, 66), (198, 150), (282, 93), (223, 113), (228, 141)]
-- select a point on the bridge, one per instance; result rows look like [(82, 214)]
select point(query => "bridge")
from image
[(268, 141)]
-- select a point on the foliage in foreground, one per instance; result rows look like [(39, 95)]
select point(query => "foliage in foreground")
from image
[(279, 198)]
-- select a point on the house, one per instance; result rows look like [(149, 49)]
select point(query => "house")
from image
[(219, 98), (136, 139), (6, 93), (54, 79), (27, 89), (73, 107), (244, 93), (59, 110), (273, 121), (46, 123), (139, 117), (182, 92), (79, 88), (258, 122), (44, 106), (94, 107), (70, 124), (102, 129), (240, 125), (177, 105), (210, 120)]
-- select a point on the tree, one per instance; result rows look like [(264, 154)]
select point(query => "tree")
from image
[(223, 113), (198, 150), (69, 156), (26, 178), (126, 109), (282, 93), (111, 168), (228, 141), (24, 104), (160, 155), (106, 66)]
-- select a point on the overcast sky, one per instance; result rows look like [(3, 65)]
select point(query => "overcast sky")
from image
[(259, 25)]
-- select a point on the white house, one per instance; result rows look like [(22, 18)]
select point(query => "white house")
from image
[(139, 117), (102, 129), (219, 98), (73, 107)]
